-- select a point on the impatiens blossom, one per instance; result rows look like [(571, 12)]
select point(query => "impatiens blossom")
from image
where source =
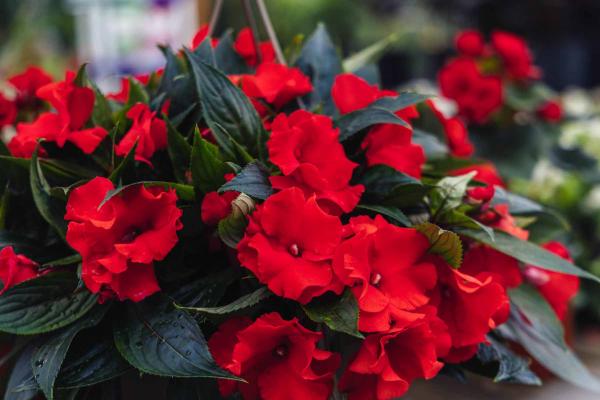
[(383, 265), (278, 359), (123, 94), (120, 240), (73, 105), (306, 149), (499, 217), (276, 84), (550, 111), (202, 34), (456, 133), (557, 288), (216, 206), (386, 144), (470, 43), (15, 268), (515, 54), (388, 363), (27, 83), (293, 258), (147, 130), (477, 95), (470, 306), (8, 111), (486, 173), (502, 268), (244, 46)]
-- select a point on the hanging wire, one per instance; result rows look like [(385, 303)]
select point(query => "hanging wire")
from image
[(249, 12), (214, 18), (266, 20)]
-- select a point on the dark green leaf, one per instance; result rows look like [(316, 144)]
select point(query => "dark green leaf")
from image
[(432, 146), (320, 61), (48, 358), (394, 213), (179, 151), (445, 244), (21, 244), (205, 292), (68, 260), (389, 187), (231, 229), (243, 302), (370, 54), (184, 192), (253, 180), (455, 218), (158, 339), (204, 52), (450, 191), (51, 208), (526, 252), (101, 114), (511, 367), (535, 326), (125, 168), (43, 304), (403, 100), (227, 59), (358, 120), (137, 93), (227, 111), (340, 315), (21, 375), (208, 168)]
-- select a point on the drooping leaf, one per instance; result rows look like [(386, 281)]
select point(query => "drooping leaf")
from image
[(339, 315), (445, 244), (320, 61), (511, 367), (48, 358), (535, 326), (207, 166), (21, 374), (227, 111), (253, 180), (179, 152), (50, 208), (526, 252), (369, 54), (43, 304), (156, 338), (243, 302), (358, 120), (394, 213)]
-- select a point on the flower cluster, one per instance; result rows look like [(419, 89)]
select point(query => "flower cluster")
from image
[(216, 182)]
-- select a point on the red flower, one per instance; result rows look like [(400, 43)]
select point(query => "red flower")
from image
[(383, 265), (74, 106), (481, 194), (388, 363), (470, 43), (500, 218), (216, 206), (514, 53), (15, 268), (244, 45), (486, 173), (306, 149), (27, 83), (202, 34), (470, 306), (550, 111), (351, 93), (557, 288), (147, 130), (456, 133), (293, 258), (8, 111), (120, 240), (279, 359), (123, 94), (276, 84), (502, 268), (476, 95)]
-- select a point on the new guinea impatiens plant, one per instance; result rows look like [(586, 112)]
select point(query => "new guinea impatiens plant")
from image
[(265, 230)]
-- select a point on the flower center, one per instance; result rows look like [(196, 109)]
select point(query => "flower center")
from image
[(375, 279), (131, 235), (280, 351), (294, 250)]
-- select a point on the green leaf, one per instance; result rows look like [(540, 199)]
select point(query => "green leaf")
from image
[(511, 367), (384, 185), (51, 208), (403, 100), (231, 229), (50, 168), (43, 304), (207, 291), (526, 252), (184, 192), (68, 260), (125, 168), (20, 375), (226, 110), (535, 326), (179, 152), (226, 58), (137, 93), (394, 213), (450, 191), (158, 339), (445, 244), (91, 360), (455, 218), (101, 113), (340, 315), (432, 146), (320, 61), (253, 180), (243, 302), (48, 358), (356, 121), (369, 54), (21, 244), (208, 168)]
